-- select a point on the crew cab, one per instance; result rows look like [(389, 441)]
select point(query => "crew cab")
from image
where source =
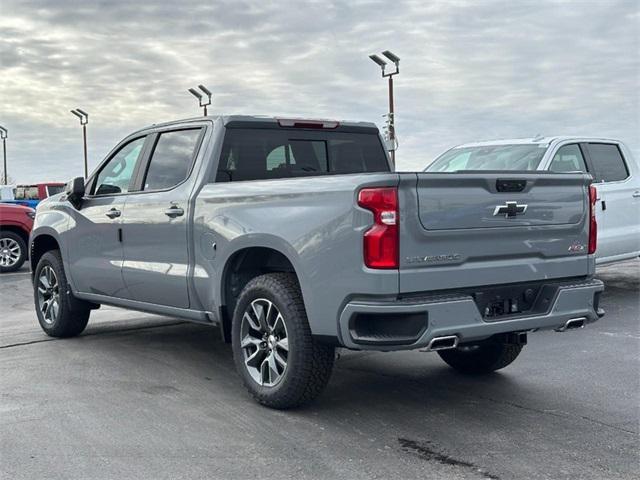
[(296, 237), (616, 175), (16, 222)]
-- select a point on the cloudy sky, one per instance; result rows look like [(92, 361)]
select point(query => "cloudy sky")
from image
[(471, 70)]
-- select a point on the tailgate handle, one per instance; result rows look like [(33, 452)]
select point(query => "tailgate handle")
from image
[(510, 185)]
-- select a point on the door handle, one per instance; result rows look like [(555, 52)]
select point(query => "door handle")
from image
[(113, 213), (174, 211), (636, 194)]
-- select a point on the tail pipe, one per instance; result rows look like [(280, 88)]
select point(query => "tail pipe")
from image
[(442, 343), (572, 324)]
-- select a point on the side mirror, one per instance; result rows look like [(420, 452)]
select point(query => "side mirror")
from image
[(75, 191)]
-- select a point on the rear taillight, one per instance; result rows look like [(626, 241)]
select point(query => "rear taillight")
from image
[(593, 226), (380, 246)]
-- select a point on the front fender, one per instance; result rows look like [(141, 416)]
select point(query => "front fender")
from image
[(53, 223)]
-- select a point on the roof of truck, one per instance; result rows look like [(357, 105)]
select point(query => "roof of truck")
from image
[(539, 140), (262, 119)]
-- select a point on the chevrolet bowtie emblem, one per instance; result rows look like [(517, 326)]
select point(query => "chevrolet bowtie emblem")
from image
[(509, 209)]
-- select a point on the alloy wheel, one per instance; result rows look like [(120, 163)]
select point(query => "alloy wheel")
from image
[(48, 294), (9, 252), (264, 342)]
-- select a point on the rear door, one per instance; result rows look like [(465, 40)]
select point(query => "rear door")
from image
[(156, 219), (486, 228), (618, 212)]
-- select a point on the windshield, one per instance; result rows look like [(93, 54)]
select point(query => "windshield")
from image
[(489, 157)]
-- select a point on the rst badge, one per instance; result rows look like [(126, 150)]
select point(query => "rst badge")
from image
[(576, 247)]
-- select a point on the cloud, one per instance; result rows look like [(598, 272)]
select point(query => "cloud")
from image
[(470, 70)]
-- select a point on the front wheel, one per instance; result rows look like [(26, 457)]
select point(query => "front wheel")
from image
[(482, 357), (280, 363), (59, 313)]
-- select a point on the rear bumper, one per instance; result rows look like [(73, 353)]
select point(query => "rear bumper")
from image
[(458, 315)]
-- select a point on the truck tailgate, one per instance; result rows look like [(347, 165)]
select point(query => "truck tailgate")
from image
[(486, 228)]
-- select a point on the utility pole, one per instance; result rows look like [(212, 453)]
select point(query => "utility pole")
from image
[(4, 134), (201, 101), (84, 119), (391, 115)]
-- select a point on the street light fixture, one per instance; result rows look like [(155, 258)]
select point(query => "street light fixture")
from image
[(390, 117), (4, 134), (203, 103), (84, 119)]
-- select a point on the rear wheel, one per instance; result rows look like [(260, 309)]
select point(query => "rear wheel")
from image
[(13, 251), (280, 363), (59, 313), (482, 357)]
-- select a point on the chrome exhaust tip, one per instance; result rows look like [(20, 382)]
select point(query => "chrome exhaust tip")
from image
[(572, 324), (442, 343)]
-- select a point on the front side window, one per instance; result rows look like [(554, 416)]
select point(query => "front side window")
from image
[(115, 175), (489, 157), (607, 162), (256, 154), (568, 158), (171, 159)]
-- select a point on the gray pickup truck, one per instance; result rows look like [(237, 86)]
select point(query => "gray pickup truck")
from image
[(296, 237)]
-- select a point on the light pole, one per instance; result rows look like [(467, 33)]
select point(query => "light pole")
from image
[(390, 120), (199, 96), (84, 119), (4, 134)]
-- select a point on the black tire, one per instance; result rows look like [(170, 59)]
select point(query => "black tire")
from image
[(72, 314), (308, 363), (483, 357), (21, 245)]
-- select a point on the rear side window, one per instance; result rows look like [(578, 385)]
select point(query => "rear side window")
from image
[(54, 189), (256, 154), (607, 162), (568, 158), (27, 193), (171, 159)]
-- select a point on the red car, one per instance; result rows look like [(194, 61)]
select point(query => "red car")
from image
[(16, 222)]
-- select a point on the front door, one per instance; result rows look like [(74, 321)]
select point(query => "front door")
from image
[(95, 247), (156, 252)]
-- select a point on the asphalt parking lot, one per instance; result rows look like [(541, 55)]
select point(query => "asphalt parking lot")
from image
[(141, 396)]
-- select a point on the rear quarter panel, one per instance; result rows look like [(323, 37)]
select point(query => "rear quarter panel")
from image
[(313, 221)]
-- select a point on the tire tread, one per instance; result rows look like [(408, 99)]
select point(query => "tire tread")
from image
[(73, 316), (492, 356), (311, 376)]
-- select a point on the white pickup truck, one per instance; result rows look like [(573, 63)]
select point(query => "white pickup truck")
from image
[(616, 176)]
